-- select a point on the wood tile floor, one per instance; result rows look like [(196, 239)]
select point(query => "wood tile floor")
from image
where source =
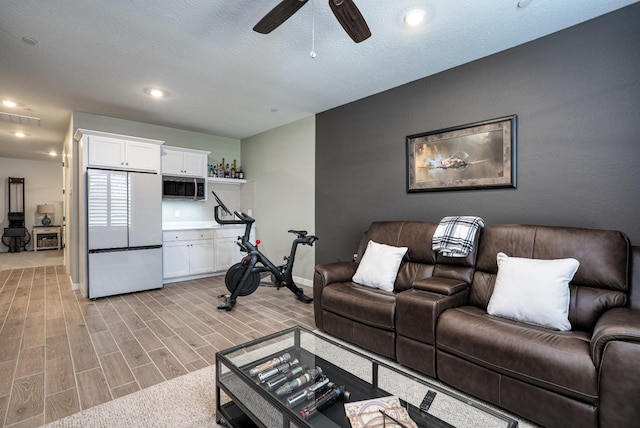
[(61, 353)]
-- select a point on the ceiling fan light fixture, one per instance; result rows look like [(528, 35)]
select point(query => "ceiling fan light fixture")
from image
[(415, 17)]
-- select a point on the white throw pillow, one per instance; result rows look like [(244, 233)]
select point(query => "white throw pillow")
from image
[(533, 291), (379, 266)]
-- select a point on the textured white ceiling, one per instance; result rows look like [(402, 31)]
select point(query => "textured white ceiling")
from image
[(98, 56)]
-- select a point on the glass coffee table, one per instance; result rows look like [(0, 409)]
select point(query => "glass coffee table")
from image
[(255, 386)]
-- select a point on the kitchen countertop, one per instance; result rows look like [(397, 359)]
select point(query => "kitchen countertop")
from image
[(190, 225)]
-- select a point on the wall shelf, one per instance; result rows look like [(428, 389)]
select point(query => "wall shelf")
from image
[(226, 180)]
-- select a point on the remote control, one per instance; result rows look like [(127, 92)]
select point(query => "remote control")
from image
[(428, 399)]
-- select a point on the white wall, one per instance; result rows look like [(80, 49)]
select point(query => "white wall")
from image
[(281, 163), (71, 208), (43, 184)]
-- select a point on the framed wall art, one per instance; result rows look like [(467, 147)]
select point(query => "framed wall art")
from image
[(474, 156)]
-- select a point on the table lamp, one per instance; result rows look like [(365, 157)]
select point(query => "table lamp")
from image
[(46, 209)]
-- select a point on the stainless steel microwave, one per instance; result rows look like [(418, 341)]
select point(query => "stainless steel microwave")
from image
[(183, 187)]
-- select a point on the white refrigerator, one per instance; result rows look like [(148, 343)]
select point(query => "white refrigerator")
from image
[(124, 232)]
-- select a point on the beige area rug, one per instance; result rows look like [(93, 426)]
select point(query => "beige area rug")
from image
[(189, 401)]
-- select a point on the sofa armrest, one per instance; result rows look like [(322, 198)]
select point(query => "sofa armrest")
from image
[(615, 349), (440, 285), (327, 274), (334, 272), (616, 324)]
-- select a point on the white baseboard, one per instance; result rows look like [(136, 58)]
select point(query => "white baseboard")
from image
[(303, 281)]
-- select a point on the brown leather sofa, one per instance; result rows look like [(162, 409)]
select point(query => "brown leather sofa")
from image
[(436, 322)]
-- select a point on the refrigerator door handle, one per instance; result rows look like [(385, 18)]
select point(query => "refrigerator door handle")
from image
[(115, 250)]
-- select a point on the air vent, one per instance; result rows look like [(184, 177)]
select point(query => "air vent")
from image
[(19, 119)]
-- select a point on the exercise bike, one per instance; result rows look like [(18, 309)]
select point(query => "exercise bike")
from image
[(243, 278)]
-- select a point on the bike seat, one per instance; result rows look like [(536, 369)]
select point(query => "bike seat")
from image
[(299, 232)]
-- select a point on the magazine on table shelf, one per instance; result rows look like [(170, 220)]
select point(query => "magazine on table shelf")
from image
[(378, 413)]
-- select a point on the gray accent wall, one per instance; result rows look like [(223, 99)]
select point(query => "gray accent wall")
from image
[(577, 97)]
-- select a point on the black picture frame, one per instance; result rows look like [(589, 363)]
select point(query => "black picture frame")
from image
[(478, 155)]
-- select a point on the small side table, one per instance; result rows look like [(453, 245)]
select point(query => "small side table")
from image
[(46, 238)]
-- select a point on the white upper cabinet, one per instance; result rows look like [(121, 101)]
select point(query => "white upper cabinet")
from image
[(184, 162), (120, 153)]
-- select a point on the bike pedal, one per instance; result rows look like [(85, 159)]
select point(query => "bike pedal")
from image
[(305, 299)]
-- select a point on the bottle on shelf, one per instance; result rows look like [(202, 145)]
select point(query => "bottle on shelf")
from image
[(240, 173)]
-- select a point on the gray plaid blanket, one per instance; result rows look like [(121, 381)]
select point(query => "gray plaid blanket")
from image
[(454, 236)]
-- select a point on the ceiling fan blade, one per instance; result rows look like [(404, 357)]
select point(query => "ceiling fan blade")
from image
[(283, 11), (349, 16)]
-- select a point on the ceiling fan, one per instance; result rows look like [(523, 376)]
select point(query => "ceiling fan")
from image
[(345, 11)]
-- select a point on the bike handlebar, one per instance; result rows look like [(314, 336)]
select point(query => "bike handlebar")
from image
[(242, 218), (309, 240)]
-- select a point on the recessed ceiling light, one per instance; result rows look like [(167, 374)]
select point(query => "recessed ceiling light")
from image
[(156, 92), (524, 3), (414, 17), (20, 134), (9, 103), (52, 153)]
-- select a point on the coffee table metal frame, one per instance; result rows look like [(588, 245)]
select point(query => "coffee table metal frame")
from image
[(250, 403)]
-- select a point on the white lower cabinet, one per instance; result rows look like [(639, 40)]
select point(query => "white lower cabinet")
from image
[(201, 257), (227, 250), (196, 253), (187, 252), (175, 259)]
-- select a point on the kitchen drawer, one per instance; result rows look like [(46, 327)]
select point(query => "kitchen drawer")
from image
[(229, 232), (187, 235)]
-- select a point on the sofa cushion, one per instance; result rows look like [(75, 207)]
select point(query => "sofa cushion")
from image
[(533, 291), (553, 360), (366, 305), (379, 266)]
